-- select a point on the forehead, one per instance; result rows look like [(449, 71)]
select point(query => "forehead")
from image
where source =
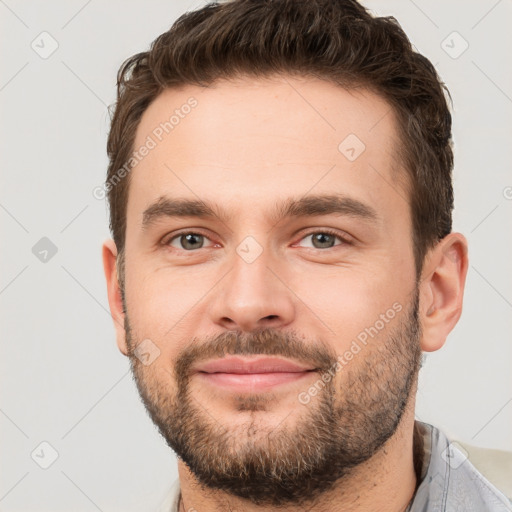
[(256, 141)]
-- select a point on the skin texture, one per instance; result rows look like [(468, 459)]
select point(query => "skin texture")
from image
[(249, 146)]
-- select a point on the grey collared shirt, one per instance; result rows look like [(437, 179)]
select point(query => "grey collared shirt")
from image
[(449, 483)]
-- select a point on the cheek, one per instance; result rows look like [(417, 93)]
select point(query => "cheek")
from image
[(163, 302), (354, 301)]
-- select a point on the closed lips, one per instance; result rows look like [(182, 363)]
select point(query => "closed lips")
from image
[(240, 365)]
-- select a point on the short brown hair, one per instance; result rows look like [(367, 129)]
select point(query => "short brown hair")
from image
[(334, 40)]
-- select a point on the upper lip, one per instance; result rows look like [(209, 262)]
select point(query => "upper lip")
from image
[(233, 364)]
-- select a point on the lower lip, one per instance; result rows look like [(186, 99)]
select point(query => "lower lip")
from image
[(252, 381)]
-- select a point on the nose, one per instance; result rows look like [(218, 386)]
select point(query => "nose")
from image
[(253, 295)]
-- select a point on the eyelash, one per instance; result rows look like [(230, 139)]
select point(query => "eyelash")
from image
[(330, 232), (344, 240)]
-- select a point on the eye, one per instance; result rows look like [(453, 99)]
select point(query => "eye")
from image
[(324, 239), (187, 241)]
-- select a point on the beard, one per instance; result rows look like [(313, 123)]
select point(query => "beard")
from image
[(345, 424)]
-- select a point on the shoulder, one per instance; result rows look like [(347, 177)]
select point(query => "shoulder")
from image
[(461, 477), (494, 465)]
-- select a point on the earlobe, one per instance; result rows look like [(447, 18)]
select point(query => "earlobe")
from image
[(109, 254), (442, 290)]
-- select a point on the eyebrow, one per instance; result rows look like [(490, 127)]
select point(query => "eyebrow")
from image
[(312, 205)]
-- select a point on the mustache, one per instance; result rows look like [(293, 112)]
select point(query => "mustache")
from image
[(267, 342)]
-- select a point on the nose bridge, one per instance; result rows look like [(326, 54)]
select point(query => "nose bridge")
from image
[(251, 296), (250, 269)]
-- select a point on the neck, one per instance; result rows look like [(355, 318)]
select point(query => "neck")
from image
[(386, 482)]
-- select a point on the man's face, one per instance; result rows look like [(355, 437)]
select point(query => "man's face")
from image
[(327, 285)]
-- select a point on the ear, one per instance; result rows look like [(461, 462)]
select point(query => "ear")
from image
[(109, 253), (441, 290)]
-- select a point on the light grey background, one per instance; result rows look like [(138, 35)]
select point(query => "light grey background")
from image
[(63, 381)]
